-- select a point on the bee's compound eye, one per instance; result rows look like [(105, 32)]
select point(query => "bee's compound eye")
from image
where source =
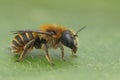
[(67, 39)]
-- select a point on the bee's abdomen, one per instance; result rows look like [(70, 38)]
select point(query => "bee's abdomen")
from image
[(20, 40)]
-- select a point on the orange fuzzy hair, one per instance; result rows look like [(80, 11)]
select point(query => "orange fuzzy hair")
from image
[(58, 29)]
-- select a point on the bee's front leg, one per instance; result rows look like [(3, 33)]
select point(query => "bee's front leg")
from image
[(62, 51)]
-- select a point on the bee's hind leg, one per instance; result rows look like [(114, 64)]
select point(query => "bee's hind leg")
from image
[(26, 48)]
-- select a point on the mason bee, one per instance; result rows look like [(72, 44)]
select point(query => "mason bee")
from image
[(48, 36)]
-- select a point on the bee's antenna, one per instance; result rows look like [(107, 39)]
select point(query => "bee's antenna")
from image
[(76, 34)]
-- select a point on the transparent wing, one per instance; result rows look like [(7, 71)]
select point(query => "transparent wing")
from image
[(36, 31)]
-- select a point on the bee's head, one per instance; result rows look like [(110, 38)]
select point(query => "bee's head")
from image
[(69, 40)]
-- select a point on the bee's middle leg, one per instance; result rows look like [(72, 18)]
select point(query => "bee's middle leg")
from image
[(44, 46)]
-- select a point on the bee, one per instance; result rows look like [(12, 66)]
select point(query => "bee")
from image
[(48, 36)]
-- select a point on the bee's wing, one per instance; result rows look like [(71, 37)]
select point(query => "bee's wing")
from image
[(36, 31), (19, 31)]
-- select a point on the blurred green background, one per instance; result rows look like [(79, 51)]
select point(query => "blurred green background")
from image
[(98, 54)]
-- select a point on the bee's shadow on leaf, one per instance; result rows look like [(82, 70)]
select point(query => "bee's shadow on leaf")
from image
[(33, 59)]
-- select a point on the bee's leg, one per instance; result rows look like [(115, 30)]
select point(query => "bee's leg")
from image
[(44, 47), (26, 48), (62, 52)]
